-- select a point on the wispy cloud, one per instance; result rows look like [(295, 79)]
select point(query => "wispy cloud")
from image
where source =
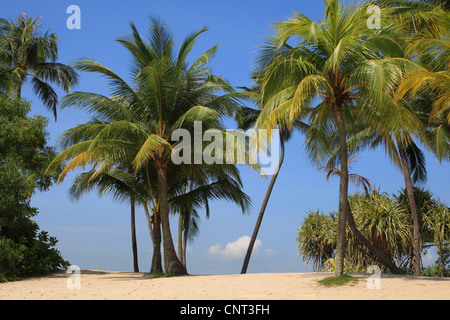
[(233, 250)]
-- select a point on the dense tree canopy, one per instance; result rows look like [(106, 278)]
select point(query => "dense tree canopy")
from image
[(24, 157)]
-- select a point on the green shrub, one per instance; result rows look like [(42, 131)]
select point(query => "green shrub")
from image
[(433, 270)]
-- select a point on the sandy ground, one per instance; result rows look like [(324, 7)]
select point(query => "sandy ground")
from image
[(95, 285)]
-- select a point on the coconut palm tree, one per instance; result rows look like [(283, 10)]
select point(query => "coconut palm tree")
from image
[(122, 185), (421, 24), (170, 94), (246, 118), (345, 69), (245, 122), (193, 187), (27, 52), (427, 25)]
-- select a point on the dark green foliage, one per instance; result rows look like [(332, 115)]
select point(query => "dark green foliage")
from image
[(24, 155)]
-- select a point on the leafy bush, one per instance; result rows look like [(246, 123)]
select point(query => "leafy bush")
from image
[(35, 255), (11, 255), (433, 270)]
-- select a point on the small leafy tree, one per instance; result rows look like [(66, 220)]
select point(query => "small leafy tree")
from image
[(24, 155)]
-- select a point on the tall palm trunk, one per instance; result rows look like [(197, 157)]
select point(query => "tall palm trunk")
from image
[(183, 230), (172, 264), (343, 192), (413, 207), (345, 214), (154, 226), (181, 218), (156, 266), (262, 210), (133, 234), (185, 235), (180, 239)]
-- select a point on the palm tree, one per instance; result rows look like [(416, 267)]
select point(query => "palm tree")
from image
[(170, 94), (341, 65), (122, 185), (357, 179), (398, 142), (138, 188), (27, 52), (246, 118), (427, 25), (193, 187), (421, 24)]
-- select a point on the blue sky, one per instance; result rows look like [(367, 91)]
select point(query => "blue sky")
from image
[(94, 233)]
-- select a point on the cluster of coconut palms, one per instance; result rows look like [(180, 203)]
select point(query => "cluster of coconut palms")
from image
[(359, 87), (344, 84)]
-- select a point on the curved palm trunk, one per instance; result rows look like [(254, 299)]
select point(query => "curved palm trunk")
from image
[(345, 214), (413, 207), (374, 250), (133, 235), (262, 210), (172, 264)]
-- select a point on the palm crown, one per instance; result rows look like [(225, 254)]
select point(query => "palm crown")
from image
[(27, 52)]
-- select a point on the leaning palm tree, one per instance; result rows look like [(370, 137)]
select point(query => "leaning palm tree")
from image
[(169, 94), (27, 52), (345, 69), (246, 118), (403, 151), (382, 220), (386, 223)]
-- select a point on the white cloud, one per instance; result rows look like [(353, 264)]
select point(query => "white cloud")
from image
[(233, 250)]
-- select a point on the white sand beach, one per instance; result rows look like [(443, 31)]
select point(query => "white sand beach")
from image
[(99, 285)]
